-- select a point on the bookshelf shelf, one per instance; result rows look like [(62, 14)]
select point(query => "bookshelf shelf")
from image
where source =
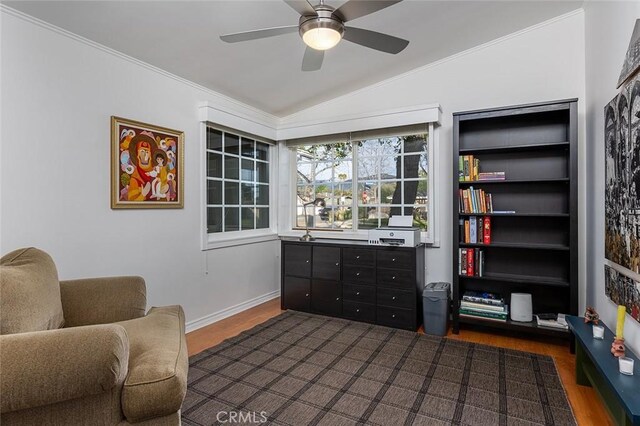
[(534, 250), (526, 327), (526, 246), (507, 181), (516, 148), (520, 279)]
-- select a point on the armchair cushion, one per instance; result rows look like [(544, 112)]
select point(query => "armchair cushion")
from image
[(158, 364), (45, 367), (103, 300), (30, 292)]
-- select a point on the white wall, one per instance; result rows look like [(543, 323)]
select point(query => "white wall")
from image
[(542, 63), (608, 28), (58, 94)]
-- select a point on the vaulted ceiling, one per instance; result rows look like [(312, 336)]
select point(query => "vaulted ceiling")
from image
[(182, 37)]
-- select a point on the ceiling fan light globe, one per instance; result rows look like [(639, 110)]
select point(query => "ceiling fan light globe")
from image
[(321, 38)]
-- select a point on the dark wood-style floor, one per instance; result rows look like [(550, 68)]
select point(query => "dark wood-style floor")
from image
[(585, 403)]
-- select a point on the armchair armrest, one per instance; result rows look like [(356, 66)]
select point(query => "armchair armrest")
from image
[(102, 300), (46, 367)]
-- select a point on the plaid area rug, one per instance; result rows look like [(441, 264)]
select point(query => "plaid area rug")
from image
[(302, 369)]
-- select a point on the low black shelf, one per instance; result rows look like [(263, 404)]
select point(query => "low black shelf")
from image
[(526, 246), (525, 327), (516, 148), (507, 181), (517, 214), (520, 279)]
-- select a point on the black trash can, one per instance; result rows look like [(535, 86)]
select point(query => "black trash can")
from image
[(435, 308)]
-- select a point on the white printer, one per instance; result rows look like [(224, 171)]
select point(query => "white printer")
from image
[(398, 233)]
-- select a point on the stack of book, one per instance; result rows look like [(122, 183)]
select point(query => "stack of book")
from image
[(471, 262), (552, 321), (469, 170), (475, 201), (487, 306), (475, 230)]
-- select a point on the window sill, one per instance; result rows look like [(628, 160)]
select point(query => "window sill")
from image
[(360, 236), (214, 243)]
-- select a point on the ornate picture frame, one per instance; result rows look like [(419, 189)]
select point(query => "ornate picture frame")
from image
[(147, 166)]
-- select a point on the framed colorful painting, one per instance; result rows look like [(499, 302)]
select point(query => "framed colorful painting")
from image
[(147, 166)]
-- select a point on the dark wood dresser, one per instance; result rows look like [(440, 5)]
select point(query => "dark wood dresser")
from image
[(351, 279)]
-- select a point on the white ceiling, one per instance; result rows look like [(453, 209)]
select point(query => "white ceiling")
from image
[(182, 37)]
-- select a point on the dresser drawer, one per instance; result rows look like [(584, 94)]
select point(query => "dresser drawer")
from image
[(396, 259), (396, 278), (297, 260), (358, 274), (396, 317), (396, 298), (359, 293), (326, 263), (359, 311), (359, 257)]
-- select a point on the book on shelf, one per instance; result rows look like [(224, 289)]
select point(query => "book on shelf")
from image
[(475, 201), (469, 170), (482, 318), (485, 314), (552, 321), (483, 297), (471, 262), (504, 212), (481, 306), (475, 230)]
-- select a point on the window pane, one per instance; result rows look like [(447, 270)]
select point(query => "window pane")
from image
[(214, 165), (342, 217), (214, 219), (305, 172), (415, 143), (262, 172), (367, 217), (247, 218), (247, 172), (323, 190), (214, 192), (390, 193), (214, 139), (388, 211), (369, 148), (301, 218), (248, 194), (342, 151), (248, 148), (231, 143), (419, 214), (262, 218), (368, 168), (415, 191), (305, 194), (390, 167), (324, 171), (263, 195), (231, 193), (231, 167), (368, 193), (390, 147), (262, 151), (231, 219)]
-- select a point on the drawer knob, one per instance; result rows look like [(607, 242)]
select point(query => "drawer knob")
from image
[(393, 260), (393, 277), (393, 298), (307, 261), (357, 293), (337, 264), (357, 310), (306, 295), (393, 316), (337, 298), (358, 257), (357, 274)]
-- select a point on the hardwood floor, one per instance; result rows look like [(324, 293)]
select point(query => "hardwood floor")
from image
[(585, 403)]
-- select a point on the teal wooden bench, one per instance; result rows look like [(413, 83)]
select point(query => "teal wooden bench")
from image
[(596, 367)]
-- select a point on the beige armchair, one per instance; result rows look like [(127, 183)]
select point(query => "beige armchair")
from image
[(83, 352)]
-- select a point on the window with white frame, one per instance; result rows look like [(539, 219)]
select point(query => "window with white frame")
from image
[(363, 179), (237, 182)]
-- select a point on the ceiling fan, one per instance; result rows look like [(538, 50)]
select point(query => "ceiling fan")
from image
[(322, 27)]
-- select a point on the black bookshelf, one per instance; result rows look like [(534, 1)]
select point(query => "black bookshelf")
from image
[(535, 249)]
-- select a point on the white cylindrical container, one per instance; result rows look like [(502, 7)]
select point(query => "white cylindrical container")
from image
[(626, 365), (521, 307), (598, 332)]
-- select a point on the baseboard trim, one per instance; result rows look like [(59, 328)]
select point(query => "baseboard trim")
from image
[(227, 312)]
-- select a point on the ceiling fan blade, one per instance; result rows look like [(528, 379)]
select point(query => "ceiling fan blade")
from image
[(375, 40), (312, 60), (255, 34), (303, 7), (354, 9)]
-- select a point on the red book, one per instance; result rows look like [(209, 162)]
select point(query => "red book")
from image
[(470, 262), (486, 231)]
